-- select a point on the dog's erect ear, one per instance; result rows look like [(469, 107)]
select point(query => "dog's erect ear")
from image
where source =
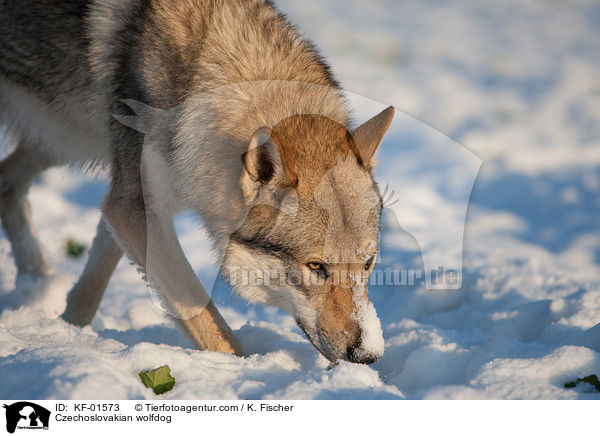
[(262, 160), (265, 164), (369, 135)]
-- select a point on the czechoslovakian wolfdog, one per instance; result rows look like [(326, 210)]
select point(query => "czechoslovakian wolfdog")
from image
[(255, 137)]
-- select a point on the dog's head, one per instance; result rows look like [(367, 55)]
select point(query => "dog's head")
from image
[(310, 238)]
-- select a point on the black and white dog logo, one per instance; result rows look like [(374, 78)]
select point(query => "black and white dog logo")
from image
[(26, 415)]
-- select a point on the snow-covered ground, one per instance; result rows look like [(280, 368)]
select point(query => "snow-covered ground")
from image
[(516, 83)]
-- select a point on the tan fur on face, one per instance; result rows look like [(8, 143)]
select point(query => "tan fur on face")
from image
[(335, 319)]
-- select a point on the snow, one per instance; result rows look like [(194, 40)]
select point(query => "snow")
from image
[(371, 338), (516, 84)]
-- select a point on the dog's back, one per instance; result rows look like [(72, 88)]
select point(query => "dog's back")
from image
[(51, 46), (43, 44), (65, 65)]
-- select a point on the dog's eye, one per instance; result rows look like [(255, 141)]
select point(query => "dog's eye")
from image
[(369, 262), (317, 267)]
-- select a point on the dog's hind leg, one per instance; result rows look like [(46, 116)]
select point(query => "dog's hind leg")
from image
[(17, 172), (85, 297)]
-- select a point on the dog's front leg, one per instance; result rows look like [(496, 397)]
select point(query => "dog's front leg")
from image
[(160, 255), (168, 269), (137, 212)]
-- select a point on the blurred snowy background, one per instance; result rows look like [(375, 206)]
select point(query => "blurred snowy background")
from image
[(518, 85)]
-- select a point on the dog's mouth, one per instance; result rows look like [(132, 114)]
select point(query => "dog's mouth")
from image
[(317, 342), (353, 354)]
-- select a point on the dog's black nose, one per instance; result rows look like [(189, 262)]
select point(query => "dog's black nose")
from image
[(358, 355)]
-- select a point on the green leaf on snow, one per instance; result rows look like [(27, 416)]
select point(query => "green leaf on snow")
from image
[(74, 249), (159, 379)]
